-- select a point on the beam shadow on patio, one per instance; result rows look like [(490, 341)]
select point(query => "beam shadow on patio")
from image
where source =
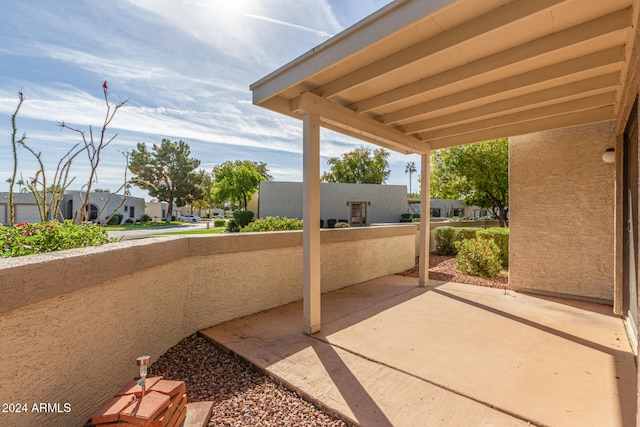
[(391, 353)]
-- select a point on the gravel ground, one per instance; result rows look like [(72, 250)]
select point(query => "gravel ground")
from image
[(444, 268), (241, 395)]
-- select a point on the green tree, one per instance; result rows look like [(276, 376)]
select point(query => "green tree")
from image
[(238, 181), (167, 173), (205, 184), (360, 166), (261, 167), (410, 168), (476, 173)]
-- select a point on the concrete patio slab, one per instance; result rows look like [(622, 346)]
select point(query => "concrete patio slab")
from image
[(393, 354)]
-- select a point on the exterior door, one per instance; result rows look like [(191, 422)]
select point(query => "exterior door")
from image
[(358, 214), (92, 212), (630, 228)]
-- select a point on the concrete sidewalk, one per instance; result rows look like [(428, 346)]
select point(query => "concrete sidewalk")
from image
[(393, 354)]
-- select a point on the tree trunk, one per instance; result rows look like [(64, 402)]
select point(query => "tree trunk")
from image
[(169, 211)]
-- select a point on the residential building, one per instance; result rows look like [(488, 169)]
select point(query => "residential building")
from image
[(101, 205), (359, 204)]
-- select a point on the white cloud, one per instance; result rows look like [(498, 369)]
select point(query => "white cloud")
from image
[(184, 66)]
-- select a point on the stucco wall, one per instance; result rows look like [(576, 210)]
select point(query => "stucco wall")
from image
[(562, 212), (73, 322), (285, 199)]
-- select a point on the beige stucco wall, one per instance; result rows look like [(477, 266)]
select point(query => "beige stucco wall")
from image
[(562, 212), (73, 322)]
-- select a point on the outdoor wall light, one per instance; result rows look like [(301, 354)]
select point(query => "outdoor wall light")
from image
[(369, 203), (609, 155), (143, 363), (347, 203)]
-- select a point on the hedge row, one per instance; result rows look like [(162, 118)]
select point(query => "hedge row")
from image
[(40, 237), (273, 223)]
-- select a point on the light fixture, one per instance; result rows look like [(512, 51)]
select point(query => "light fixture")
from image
[(347, 203), (143, 363), (369, 203), (609, 155)]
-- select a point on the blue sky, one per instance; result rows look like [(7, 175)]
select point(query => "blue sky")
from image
[(184, 66)]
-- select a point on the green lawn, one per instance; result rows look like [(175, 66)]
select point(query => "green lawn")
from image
[(217, 230), (140, 225)]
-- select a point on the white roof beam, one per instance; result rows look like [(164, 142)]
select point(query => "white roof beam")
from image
[(499, 17), (381, 24), (587, 103), (343, 118), (541, 75), (616, 21), (568, 120), (582, 87)]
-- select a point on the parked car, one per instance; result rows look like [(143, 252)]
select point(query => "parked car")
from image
[(218, 217), (189, 218)]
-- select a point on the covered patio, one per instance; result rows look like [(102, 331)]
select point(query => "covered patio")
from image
[(420, 75), (393, 354), (560, 79)]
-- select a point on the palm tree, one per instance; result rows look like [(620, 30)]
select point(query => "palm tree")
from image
[(410, 168)]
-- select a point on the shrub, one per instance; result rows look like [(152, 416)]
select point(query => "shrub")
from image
[(500, 236), (416, 215), (219, 222), (446, 237), (41, 237), (232, 227), (130, 221), (405, 216), (463, 233), (343, 220), (331, 222), (115, 220), (243, 218), (273, 223), (321, 223), (342, 224), (145, 218), (478, 257)]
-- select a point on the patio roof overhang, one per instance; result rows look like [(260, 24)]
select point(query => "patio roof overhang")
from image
[(420, 75), (427, 74)]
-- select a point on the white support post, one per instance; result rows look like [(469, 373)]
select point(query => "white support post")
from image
[(311, 228), (425, 215)]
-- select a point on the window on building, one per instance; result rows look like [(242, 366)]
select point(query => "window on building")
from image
[(435, 212)]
